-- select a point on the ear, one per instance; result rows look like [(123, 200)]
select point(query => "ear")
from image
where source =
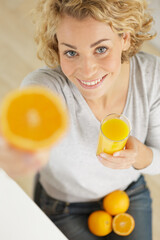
[(126, 41)]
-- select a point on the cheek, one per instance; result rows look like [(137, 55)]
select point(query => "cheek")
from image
[(67, 67), (113, 63)]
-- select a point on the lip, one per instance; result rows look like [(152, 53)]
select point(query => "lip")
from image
[(94, 86)]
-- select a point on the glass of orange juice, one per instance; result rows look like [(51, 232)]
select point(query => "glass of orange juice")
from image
[(114, 132)]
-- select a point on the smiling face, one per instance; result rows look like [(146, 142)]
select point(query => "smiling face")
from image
[(90, 55)]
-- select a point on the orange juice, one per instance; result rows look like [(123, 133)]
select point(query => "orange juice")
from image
[(114, 133)]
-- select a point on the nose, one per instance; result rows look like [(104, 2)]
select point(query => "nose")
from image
[(88, 67)]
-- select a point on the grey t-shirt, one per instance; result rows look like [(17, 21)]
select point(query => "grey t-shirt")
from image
[(73, 172)]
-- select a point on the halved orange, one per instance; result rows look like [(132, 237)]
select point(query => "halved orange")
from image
[(33, 118), (123, 224), (100, 223)]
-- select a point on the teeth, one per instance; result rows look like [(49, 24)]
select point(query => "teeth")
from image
[(92, 83)]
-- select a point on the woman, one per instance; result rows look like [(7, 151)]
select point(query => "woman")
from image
[(92, 52)]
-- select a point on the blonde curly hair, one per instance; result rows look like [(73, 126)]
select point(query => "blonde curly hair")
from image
[(122, 15)]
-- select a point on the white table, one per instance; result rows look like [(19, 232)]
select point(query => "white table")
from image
[(20, 217)]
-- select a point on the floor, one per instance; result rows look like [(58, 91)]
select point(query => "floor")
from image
[(18, 58)]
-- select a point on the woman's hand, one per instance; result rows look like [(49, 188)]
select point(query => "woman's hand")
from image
[(15, 162), (136, 155)]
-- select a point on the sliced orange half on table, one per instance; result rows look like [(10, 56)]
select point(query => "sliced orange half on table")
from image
[(123, 224), (33, 118)]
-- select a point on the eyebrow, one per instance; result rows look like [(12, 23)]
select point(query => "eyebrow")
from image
[(92, 45)]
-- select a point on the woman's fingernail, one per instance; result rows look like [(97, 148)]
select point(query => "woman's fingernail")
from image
[(99, 158), (116, 154), (103, 155)]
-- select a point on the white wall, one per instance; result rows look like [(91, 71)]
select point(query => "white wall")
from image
[(155, 7)]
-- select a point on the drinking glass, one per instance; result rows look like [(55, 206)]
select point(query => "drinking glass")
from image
[(114, 132)]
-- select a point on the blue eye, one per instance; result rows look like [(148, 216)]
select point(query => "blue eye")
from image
[(101, 50), (70, 53)]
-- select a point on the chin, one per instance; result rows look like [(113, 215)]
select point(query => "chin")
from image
[(92, 95)]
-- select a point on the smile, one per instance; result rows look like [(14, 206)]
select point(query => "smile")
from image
[(92, 84)]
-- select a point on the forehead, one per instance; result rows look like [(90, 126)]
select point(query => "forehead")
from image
[(86, 28)]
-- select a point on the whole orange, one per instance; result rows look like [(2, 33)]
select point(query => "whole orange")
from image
[(116, 202), (100, 223)]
